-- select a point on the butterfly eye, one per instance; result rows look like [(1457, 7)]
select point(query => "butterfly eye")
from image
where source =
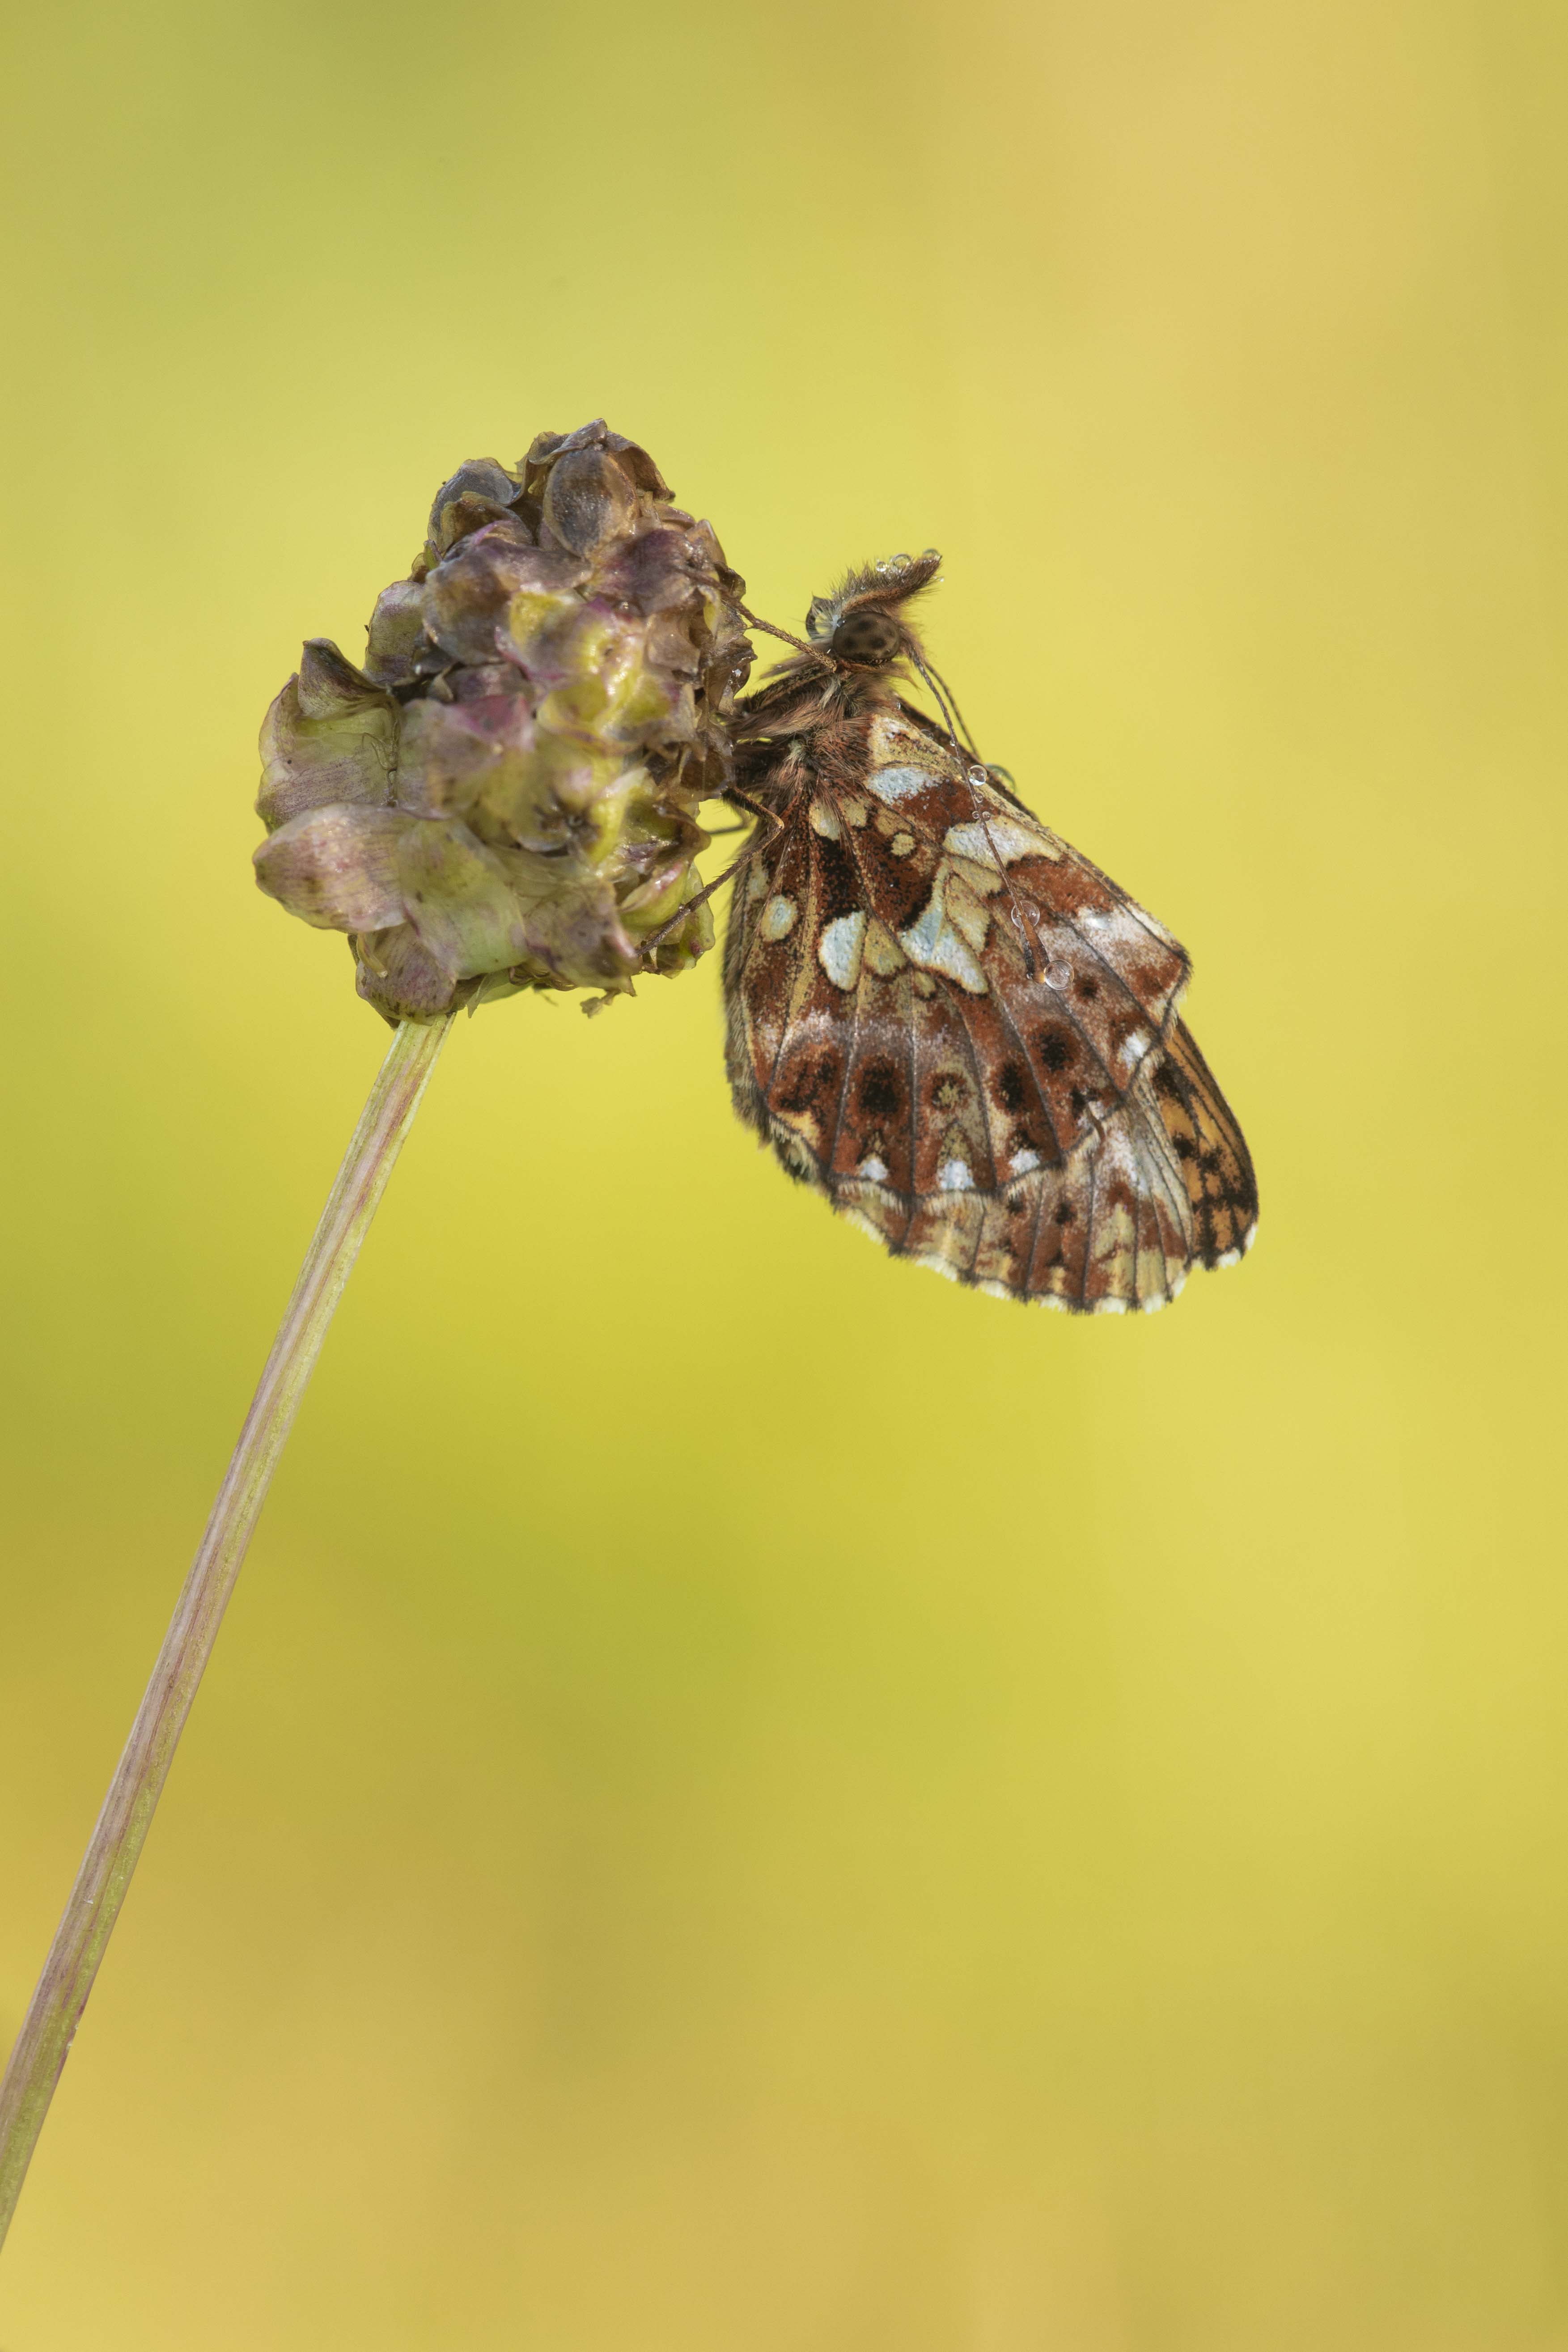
[(869, 639)]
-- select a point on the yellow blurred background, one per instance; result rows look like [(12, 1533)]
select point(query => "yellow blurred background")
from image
[(750, 1798)]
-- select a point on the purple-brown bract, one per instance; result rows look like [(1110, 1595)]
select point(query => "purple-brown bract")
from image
[(943, 1017)]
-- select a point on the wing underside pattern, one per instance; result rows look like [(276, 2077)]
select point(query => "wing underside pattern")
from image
[(966, 1037)]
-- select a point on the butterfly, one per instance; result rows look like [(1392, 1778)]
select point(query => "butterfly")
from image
[(943, 1017)]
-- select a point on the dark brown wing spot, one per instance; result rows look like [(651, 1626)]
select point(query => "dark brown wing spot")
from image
[(817, 1076), (881, 1090), (840, 881), (1086, 986), (1009, 1089), (900, 891), (1056, 1049)]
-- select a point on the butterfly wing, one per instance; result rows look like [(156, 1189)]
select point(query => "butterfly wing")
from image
[(960, 1030), (1118, 1224), (1207, 1142)]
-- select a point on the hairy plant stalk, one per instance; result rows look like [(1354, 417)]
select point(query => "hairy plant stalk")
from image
[(44, 2042)]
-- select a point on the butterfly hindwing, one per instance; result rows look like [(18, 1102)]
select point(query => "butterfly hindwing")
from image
[(1216, 1167), (1107, 1229)]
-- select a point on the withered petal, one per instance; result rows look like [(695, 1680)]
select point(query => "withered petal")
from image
[(587, 499), (329, 684), (338, 867), (458, 897), (315, 763), (398, 644), (400, 977), (478, 477)]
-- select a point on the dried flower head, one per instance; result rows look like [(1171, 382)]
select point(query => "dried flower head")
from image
[(505, 796)]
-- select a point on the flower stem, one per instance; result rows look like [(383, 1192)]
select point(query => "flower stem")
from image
[(44, 2042)]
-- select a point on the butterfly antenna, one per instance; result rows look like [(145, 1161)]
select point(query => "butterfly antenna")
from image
[(952, 705), (799, 644), (949, 715), (764, 816)]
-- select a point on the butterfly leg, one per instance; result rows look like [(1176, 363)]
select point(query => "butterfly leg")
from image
[(765, 815)]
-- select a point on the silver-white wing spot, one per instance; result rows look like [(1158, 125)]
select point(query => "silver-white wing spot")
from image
[(838, 948), (1126, 928), (932, 940), (997, 838), (896, 785), (778, 919)]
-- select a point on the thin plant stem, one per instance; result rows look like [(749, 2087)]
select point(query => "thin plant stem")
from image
[(44, 2042)]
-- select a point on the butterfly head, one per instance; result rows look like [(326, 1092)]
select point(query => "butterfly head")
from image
[(861, 624)]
